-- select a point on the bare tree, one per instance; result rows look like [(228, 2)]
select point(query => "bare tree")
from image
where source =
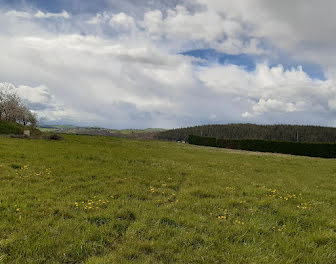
[(12, 109)]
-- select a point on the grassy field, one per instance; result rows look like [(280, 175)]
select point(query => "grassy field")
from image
[(112, 200)]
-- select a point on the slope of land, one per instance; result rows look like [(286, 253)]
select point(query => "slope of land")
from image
[(14, 128), (10, 128), (113, 200), (252, 131)]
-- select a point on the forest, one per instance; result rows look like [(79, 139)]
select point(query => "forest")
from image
[(294, 133)]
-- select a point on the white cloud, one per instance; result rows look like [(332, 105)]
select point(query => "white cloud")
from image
[(38, 98), (18, 14), (63, 14), (209, 27), (246, 115), (271, 89), (122, 20), (182, 28), (39, 14), (119, 70), (109, 76), (99, 19), (119, 20), (153, 23), (303, 29), (41, 101), (35, 95)]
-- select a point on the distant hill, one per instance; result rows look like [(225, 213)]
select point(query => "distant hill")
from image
[(8, 128), (252, 131), (132, 133)]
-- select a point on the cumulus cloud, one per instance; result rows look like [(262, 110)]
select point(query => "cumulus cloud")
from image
[(43, 102), (271, 89), (182, 27), (108, 75), (121, 69), (38, 99), (209, 27), (122, 20), (32, 95), (302, 29)]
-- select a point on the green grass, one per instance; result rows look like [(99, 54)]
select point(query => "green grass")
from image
[(161, 202), (17, 129), (10, 128)]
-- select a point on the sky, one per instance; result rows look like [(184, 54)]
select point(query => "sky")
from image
[(171, 63)]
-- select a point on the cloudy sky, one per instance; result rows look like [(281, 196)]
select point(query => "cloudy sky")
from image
[(171, 63)]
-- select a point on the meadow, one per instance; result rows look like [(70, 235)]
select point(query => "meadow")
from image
[(90, 199)]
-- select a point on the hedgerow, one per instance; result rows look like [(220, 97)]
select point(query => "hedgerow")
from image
[(323, 150)]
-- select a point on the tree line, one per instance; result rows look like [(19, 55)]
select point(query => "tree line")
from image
[(12, 109), (322, 150), (280, 132)]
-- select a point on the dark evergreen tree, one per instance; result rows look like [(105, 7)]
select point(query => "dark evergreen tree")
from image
[(252, 131)]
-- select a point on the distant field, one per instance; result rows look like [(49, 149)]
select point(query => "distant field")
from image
[(54, 128), (79, 130), (113, 200)]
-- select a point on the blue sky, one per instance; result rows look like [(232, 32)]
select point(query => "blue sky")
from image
[(80, 7), (171, 63), (249, 62), (74, 6)]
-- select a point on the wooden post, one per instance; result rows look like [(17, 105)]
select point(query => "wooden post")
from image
[(297, 136)]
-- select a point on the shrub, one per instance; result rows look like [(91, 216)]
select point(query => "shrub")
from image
[(55, 137), (202, 141)]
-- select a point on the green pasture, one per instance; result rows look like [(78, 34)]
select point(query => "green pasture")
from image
[(104, 200)]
